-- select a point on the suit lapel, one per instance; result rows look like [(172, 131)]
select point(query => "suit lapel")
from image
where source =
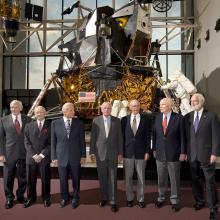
[(161, 122), (170, 123), (202, 120)]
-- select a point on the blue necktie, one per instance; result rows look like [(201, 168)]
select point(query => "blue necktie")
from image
[(196, 122)]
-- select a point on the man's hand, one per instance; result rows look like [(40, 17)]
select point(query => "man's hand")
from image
[(120, 158), (182, 157), (93, 158), (2, 159), (39, 158), (213, 159), (146, 156), (83, 160), (55, 163)]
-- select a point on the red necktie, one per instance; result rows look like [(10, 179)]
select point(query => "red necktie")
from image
[(17, 125), (165, 124)]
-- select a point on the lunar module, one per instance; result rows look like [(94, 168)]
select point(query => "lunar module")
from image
[(110, 59)]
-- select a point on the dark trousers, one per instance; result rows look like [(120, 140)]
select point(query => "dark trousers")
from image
[(64, 173), (197, 183), (107, 174), (32, 171), (12, 169)]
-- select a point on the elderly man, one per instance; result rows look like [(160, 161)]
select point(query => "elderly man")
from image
[(37, 144), (68, 151), (203, 146), (136, 134), (13, 153), (169, 149), (106, 150)]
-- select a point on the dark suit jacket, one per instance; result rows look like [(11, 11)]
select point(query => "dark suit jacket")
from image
[(106, 148), (37, 142), (206, 140), (136, 146), (66, 149), (12, 144), (168, 147)]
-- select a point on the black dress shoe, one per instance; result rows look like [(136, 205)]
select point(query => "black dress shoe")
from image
[(198, 206), (175, 207), (29, 203), (75, 204), (114, 208), (130, 203), (214, 214), (141, 204), (102, 203), (47, 203), (9, 203), (158, 204), (63, 203)]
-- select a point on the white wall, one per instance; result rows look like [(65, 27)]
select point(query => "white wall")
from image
[(207, 58)]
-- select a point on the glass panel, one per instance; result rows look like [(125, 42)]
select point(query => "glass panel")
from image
[(159, 33), (52, 64), (174, 64), (154, 13), (175, 42), (175, 10), (120, 3), (163, 66), (19, 37), (36, 72), (104, 3), (7, 71), (19, 72), (54, 9), (34, 42), (52, 36), (89, 4)]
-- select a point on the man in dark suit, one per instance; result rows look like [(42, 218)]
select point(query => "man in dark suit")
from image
[(68, 151), (169, 149), (37, 144), (136, 147), (203, 146), (13, 153), (106, 150)]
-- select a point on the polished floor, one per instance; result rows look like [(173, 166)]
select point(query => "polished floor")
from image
[(89, 209)]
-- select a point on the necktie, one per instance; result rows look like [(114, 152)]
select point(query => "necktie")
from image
[(106, 127), (134, 125), (17, 125), (40, 126), (196, 122), (165, 124), (68, 125)]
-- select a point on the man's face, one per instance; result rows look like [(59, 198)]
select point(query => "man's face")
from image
[(69, 112), (40, 114), (134, 107), (196, 103), (165, 106), (106, 109), (15, 109)]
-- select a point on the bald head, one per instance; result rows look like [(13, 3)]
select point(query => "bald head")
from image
[(106, 108), (166, 105), (68, 110), (134, 106)]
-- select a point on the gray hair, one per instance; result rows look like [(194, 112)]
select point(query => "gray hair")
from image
[(200, 97), (17, 102)]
